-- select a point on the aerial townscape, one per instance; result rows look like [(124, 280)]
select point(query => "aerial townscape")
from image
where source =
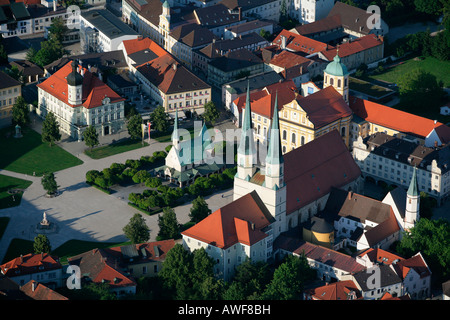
[(225, 150)]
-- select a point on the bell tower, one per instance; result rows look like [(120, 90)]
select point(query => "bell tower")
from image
[(74, 86), (336, 75), (412, 214)]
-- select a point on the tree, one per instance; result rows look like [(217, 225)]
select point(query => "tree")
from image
[(90, 136), (49, 183), (20, 112), (432, 7), (136, 230), (176, 272), (419, 88), (288, 279), (199, 210), (169, 227), (31, 54), (41, 244), (57, 29), (15, 73), (50, 51), (50, 129), (159, 120), (432, 239), (135, 126), (211, 113)]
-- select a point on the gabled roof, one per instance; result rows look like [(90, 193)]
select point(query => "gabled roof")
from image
[(322, 25), (93, 89), (321, 254), (324, 106), (352, 18), (383, 230), (38, 291), (299, 43), (30, 263), (416, 262), (6, 81), (101, 266), (380, 256), (215, 16), (243, 220), (401, 121), (236, 60), (287, 59), (312, 170), (354, 46), (262, 102), (170, 76), (341, 290), (387, 277), (139, 44)]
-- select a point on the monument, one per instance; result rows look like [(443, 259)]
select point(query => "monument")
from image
[(45, 226), (18, 132)]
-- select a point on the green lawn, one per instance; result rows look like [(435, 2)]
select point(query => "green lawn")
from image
[(6, 183), (29, 154), (440, 69), (115, 148), (368, 88)]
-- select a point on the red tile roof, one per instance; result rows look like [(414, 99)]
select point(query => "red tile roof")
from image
[(102, 266), (383, 230), (312, 170), (287, 59), (377, 255), (329, 257), (398, 120), (263, 102), (341, 290), (299, 43), (30, 263), (231, 224), (416, 262), (324, 106), (38, 291), (93, 90), (354, 46), (135, 45)]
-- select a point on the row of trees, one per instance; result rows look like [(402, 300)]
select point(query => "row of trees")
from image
[(131, 171)]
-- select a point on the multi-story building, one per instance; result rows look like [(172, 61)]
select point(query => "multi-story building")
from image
[(371, 117), (307, 11), (265, 9), (10, 90), (101, 31), (78, 99), (392, 159), (40, 267)]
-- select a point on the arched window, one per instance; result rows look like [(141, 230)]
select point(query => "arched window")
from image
[(339, 83), (293, 138), (332, 81), (284, 134), (343, 131), (302, 140)]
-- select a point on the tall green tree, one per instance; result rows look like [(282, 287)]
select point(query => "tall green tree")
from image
[(15, 73), (159, 120), (58, 29), (50, 129), (199, 210), (134, 126), (137, 230), (211, 113), (20, 112), (169, 227), (432, 239), (176, 272), (49, 183), (289, 279), (3, 55), (41, 244), (90, 136)]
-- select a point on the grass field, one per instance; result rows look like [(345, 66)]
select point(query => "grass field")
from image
[(115, 148), (440, 69), (29, 154), (6, 183)]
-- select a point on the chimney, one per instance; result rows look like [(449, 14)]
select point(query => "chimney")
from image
[(350, 195), (54, 5), (33, 285), (283, 42), (240, 13), (252, 225)]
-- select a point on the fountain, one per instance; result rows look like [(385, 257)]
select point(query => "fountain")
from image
[(45, 226)]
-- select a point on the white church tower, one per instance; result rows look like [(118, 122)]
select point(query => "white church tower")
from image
[(268, 182), (412, 213)]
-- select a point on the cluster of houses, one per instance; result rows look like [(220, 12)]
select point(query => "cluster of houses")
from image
[(291, 96)]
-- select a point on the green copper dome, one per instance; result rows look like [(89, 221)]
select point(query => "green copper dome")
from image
[(336, 68)]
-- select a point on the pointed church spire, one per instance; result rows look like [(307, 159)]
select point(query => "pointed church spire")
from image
[(413, 189), (274, 155), (175, 134), (246, 145)]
